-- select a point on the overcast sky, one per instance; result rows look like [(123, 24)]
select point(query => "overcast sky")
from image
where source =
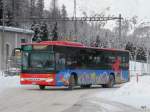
[(127, 8)]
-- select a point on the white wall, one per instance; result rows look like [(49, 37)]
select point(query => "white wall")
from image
[(0, 49), (13, 39), (139, 68)]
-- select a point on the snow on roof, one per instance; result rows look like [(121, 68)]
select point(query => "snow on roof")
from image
[(14, 29)]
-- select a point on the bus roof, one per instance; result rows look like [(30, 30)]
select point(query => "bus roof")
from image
[(58, 43), (71, 44)]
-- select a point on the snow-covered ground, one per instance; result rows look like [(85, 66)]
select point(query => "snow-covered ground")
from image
[(131, 93), (134, 93), (8, 82)]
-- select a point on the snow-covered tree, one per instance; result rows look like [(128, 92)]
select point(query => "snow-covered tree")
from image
[(32, 8), (44, 32), (36, 28), (40, 32), (55, 33), (1, 11), (40, 8), (54, 10), (64, 23)]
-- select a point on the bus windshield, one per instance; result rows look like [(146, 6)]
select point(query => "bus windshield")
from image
[(38, 61)]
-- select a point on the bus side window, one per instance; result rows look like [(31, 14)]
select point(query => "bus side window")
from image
[(124, 61), (82, 61), (72, 61), (112, 59), (97, 59), (25, 61), (105, 59), (60, 61), (109, 58)]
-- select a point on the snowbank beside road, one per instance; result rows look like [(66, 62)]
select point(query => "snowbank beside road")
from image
[(1, 73), (132, 93), (8, 82)]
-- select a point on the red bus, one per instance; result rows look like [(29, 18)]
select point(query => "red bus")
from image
[(70, 64)]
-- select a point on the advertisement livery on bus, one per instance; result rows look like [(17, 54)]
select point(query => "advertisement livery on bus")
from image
[(70, 64)]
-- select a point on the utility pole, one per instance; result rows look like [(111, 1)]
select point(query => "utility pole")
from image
[(55, 33), (54, 10), (75, 22), (2, 34), (120, 30), (32, 4)]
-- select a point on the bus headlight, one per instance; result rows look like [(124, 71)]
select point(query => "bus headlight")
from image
[(22, 79), (49, 80)]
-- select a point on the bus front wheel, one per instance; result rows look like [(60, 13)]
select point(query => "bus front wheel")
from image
[(110, 83), (41, 87)]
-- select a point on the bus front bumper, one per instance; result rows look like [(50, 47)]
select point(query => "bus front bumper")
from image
[(38, 79)]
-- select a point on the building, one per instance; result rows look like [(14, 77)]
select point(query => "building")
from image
[(10, 38)]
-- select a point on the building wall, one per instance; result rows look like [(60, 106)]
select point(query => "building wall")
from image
[(9, 41), (139, 68), (0, 50)]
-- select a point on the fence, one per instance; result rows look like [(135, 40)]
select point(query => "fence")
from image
[(139, 68)]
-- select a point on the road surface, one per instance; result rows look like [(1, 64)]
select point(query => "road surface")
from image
[(31, 99)]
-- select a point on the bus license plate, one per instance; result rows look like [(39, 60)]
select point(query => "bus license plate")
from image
[(33, 83)]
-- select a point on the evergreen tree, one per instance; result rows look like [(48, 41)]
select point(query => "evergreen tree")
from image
[(97, 41), (44, 32), (40, 32), (141, 56), (55, 13), (54, 10), (130, 48), (16, 8), (9, 18), (55, 33), (8, 13), (63, 11), (1, 11), (64, 23), (36, 28), (15, 11), (32, 8), (40, 8)]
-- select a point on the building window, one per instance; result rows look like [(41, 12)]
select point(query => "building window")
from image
[(7, 50), (23, 40)]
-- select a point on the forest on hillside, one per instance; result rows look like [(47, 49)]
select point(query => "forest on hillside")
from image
[(28, 14)]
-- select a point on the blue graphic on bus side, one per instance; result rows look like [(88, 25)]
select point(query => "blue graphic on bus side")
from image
[(90, 76)]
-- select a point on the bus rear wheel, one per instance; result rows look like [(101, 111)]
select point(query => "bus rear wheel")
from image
[(72, 82), (86, 86), (110, 83), (41, 87)]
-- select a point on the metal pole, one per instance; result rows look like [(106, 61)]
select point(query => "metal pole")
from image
[(120, 28), (54, 10), (148, 61), (75, 22), (2, 38)]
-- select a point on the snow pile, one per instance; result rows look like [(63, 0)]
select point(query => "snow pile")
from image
[(132, 93), (8, 82), (14, 29), (1, 73), (142, 87)]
